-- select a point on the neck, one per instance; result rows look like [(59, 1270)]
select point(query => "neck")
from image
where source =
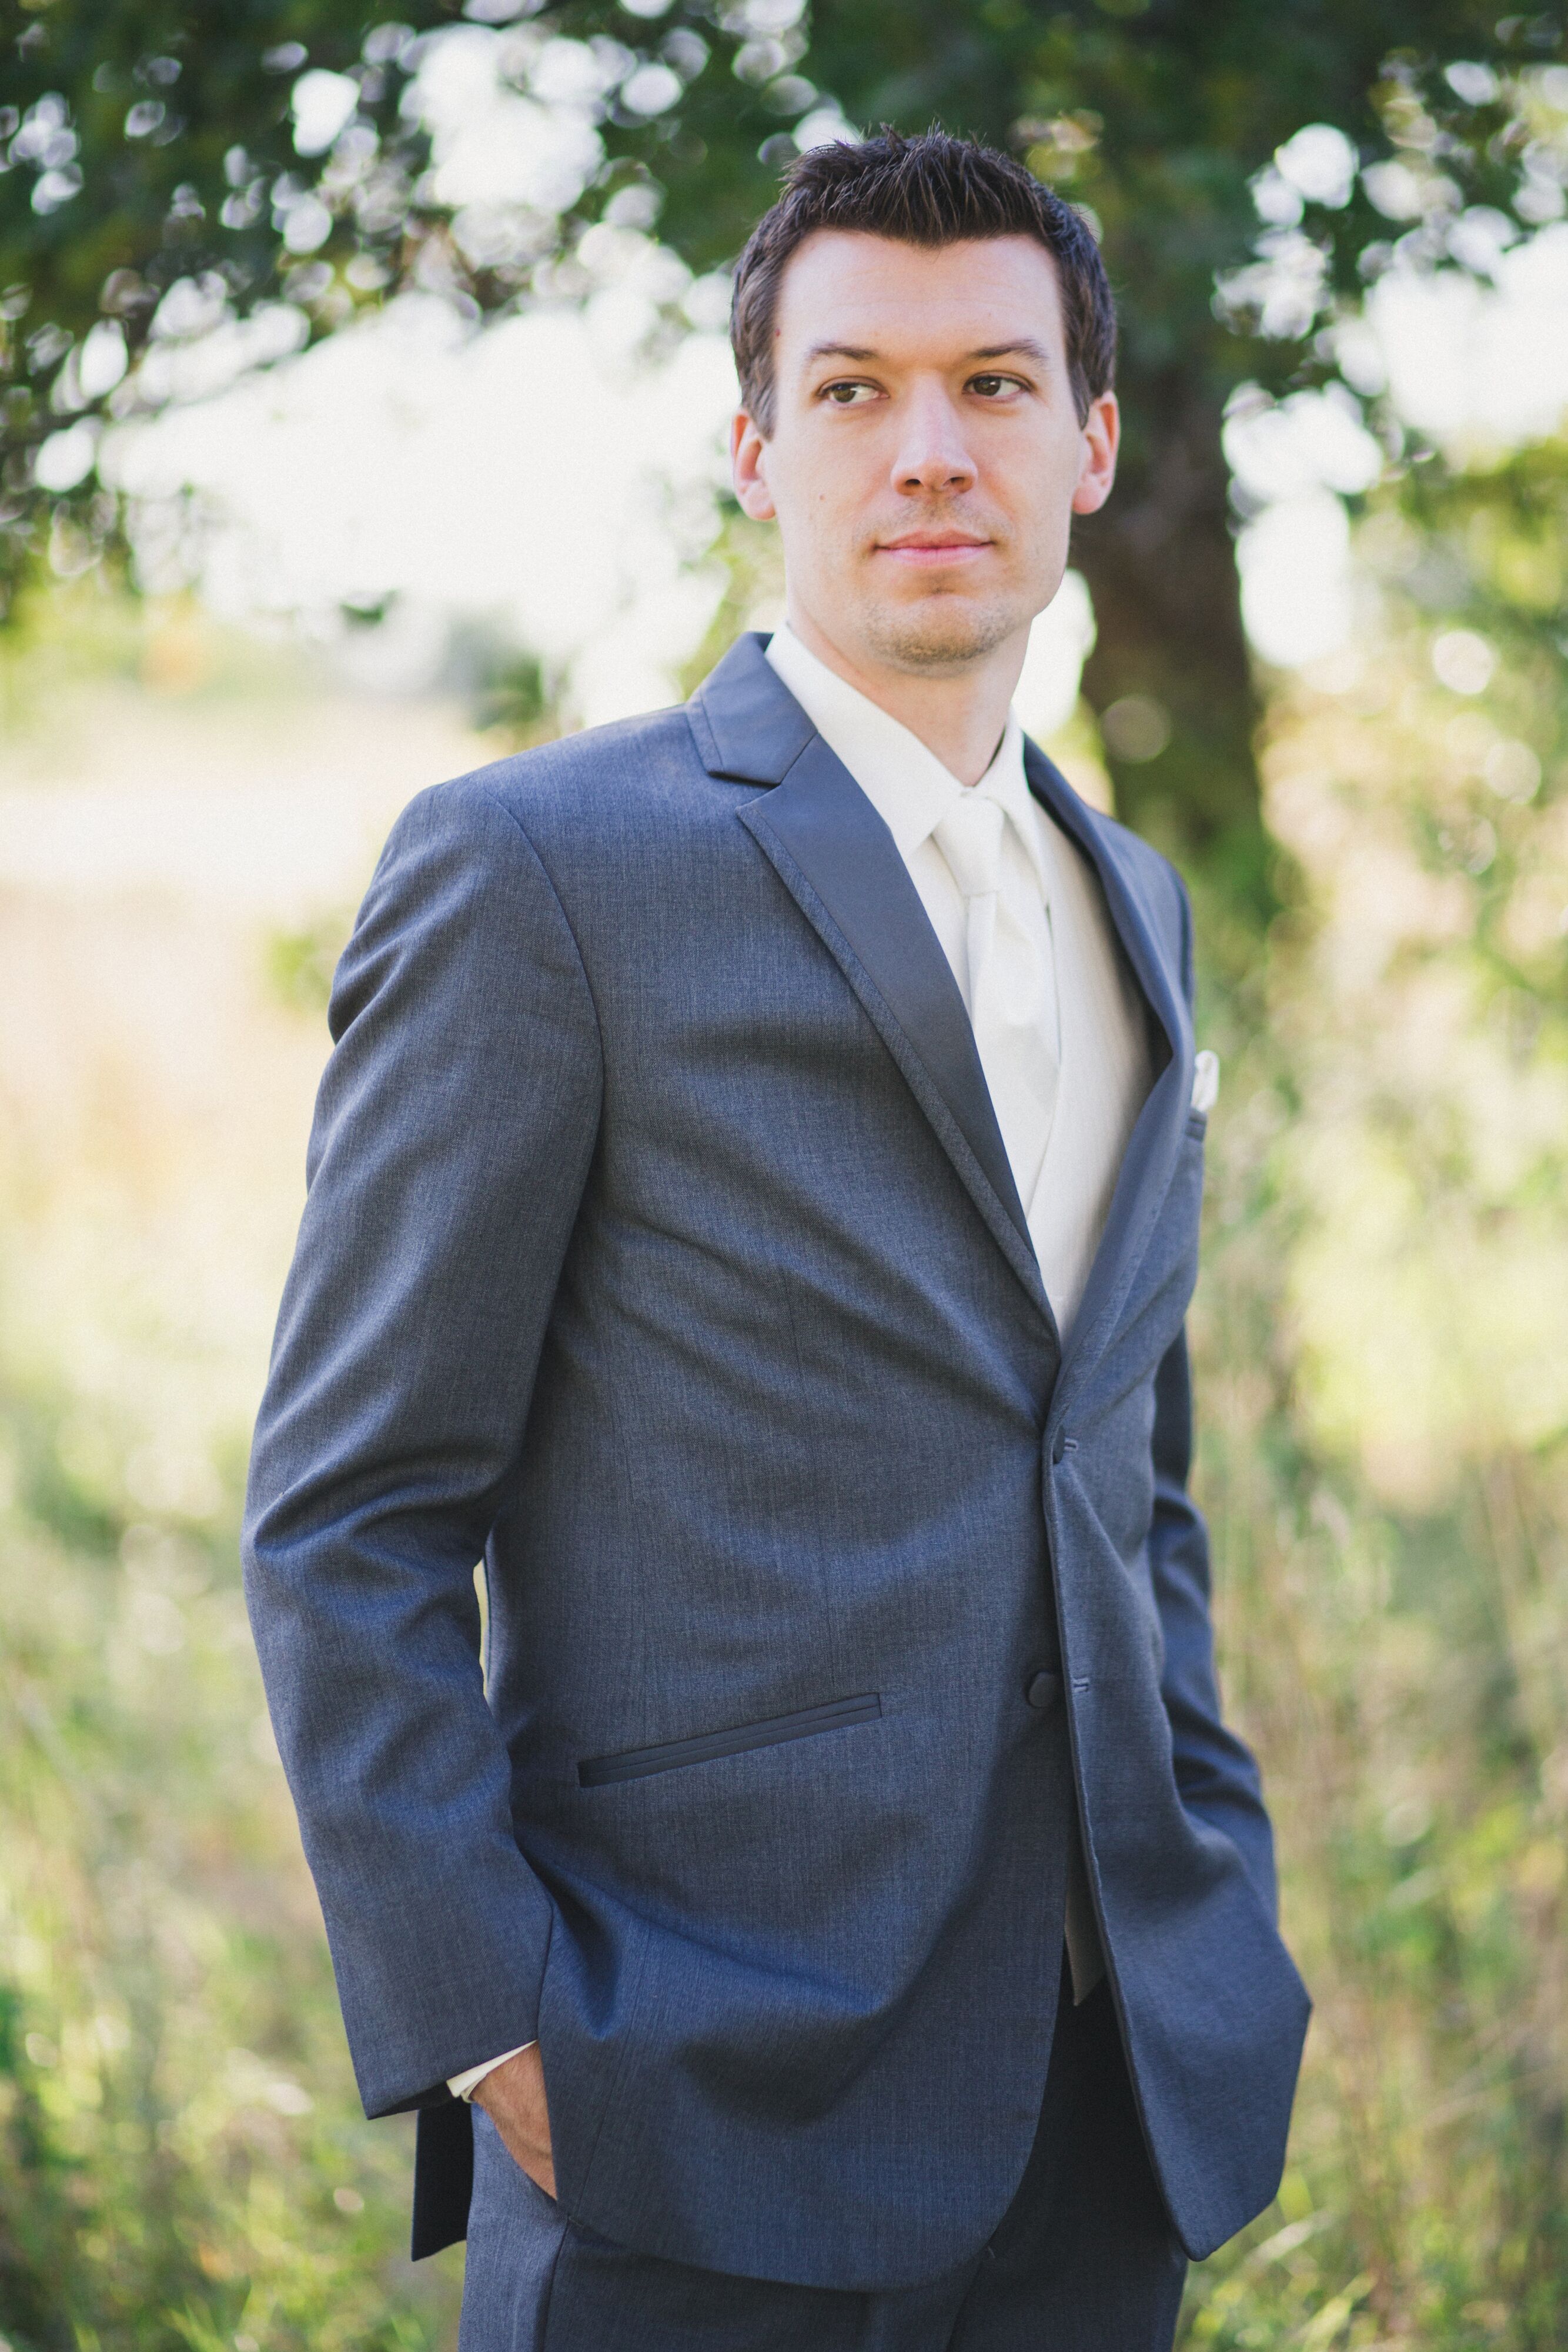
[(960, 715)]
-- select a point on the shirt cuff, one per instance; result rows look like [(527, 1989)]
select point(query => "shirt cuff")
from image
[(463, 2085)]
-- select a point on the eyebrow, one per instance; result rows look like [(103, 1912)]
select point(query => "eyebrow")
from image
[(1024, 348)]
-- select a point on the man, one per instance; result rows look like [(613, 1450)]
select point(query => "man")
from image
[(753, 1204)]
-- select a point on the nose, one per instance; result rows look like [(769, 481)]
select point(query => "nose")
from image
[(933, 459)]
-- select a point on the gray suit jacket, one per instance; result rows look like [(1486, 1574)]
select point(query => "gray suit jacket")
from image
[(661, 1249)]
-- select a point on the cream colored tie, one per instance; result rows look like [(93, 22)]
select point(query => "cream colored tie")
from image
[(1012, 989)]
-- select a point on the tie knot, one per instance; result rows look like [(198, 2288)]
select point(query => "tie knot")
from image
[(970, 838)]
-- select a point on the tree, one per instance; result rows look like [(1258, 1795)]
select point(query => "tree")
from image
[(176, 160)]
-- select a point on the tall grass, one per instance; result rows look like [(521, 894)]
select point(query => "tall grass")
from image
[(182, 2161), (1383, 1336), (183, 2165)]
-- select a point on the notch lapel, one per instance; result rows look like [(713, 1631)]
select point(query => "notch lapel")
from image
[(1150, 1159), (840, 864)]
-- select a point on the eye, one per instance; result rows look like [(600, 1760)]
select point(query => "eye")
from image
[(847, 395), (996, 388)]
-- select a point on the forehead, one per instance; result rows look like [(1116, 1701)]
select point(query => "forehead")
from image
[(913, 303)]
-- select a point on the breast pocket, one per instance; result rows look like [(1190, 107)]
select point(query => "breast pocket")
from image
[(637, 1763)]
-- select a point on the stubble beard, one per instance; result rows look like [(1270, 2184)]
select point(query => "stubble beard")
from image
[(940, 635)]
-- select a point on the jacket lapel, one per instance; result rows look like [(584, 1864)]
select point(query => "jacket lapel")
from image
[(838, 861), (1149, 1162)]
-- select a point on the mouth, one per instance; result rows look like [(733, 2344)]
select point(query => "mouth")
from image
[(931, 551)]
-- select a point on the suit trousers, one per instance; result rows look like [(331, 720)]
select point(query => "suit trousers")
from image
[(1085, 2259)]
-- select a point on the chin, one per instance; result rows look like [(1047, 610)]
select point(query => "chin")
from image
[(938, 632)]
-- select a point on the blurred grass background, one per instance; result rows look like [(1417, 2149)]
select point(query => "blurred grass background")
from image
[(188, 813), (181, 2160)]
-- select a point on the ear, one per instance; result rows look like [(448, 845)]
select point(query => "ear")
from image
[(748, 468), (1098, 443)]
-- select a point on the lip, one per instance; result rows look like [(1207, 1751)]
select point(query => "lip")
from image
[(928, 551)]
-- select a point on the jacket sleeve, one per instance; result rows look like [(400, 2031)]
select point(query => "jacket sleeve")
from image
[(453, 1136), (1215, 1773)]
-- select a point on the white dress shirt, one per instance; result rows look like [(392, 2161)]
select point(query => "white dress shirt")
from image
[(1090, 1013)]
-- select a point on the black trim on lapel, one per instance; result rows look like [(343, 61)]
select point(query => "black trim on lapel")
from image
[(1150, 1159), (840, 864)]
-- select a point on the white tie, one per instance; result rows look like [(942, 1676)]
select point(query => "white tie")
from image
[(1012, 990)]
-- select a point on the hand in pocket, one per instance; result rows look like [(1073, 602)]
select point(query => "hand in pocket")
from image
[(513, 2096)]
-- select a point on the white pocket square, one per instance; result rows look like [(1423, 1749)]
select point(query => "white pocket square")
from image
[(1206, 1081)]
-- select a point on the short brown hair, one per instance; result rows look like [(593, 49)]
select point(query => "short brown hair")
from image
[(931, 190)]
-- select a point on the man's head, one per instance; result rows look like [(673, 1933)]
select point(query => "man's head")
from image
[(924, 338)]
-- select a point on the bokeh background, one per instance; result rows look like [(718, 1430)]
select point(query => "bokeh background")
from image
[(363, 395)]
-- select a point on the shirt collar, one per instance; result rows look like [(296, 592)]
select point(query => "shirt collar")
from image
[(904, 782)]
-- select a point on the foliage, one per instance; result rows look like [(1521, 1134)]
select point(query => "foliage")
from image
[(168, 2180), (184, 2163), (174, 164), (1385, 1458), (301, 961)]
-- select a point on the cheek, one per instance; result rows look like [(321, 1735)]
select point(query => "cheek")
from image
[(1037, 498), (1039, 494), (823, 494)]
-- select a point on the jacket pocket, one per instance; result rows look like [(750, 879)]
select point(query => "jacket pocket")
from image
[(636, 1763)]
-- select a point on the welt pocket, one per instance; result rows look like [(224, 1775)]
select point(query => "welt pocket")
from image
[(636, 1763)]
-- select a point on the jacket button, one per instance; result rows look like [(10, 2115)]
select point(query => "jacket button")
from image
[(1044, 1690)]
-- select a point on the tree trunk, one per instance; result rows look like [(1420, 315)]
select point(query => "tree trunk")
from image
[(1161, 566)]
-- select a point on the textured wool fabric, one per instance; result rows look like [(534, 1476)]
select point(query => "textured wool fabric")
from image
[(662, 1250), (1083, 2260)]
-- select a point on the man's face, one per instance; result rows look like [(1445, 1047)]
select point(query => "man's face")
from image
[(926, 457)]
